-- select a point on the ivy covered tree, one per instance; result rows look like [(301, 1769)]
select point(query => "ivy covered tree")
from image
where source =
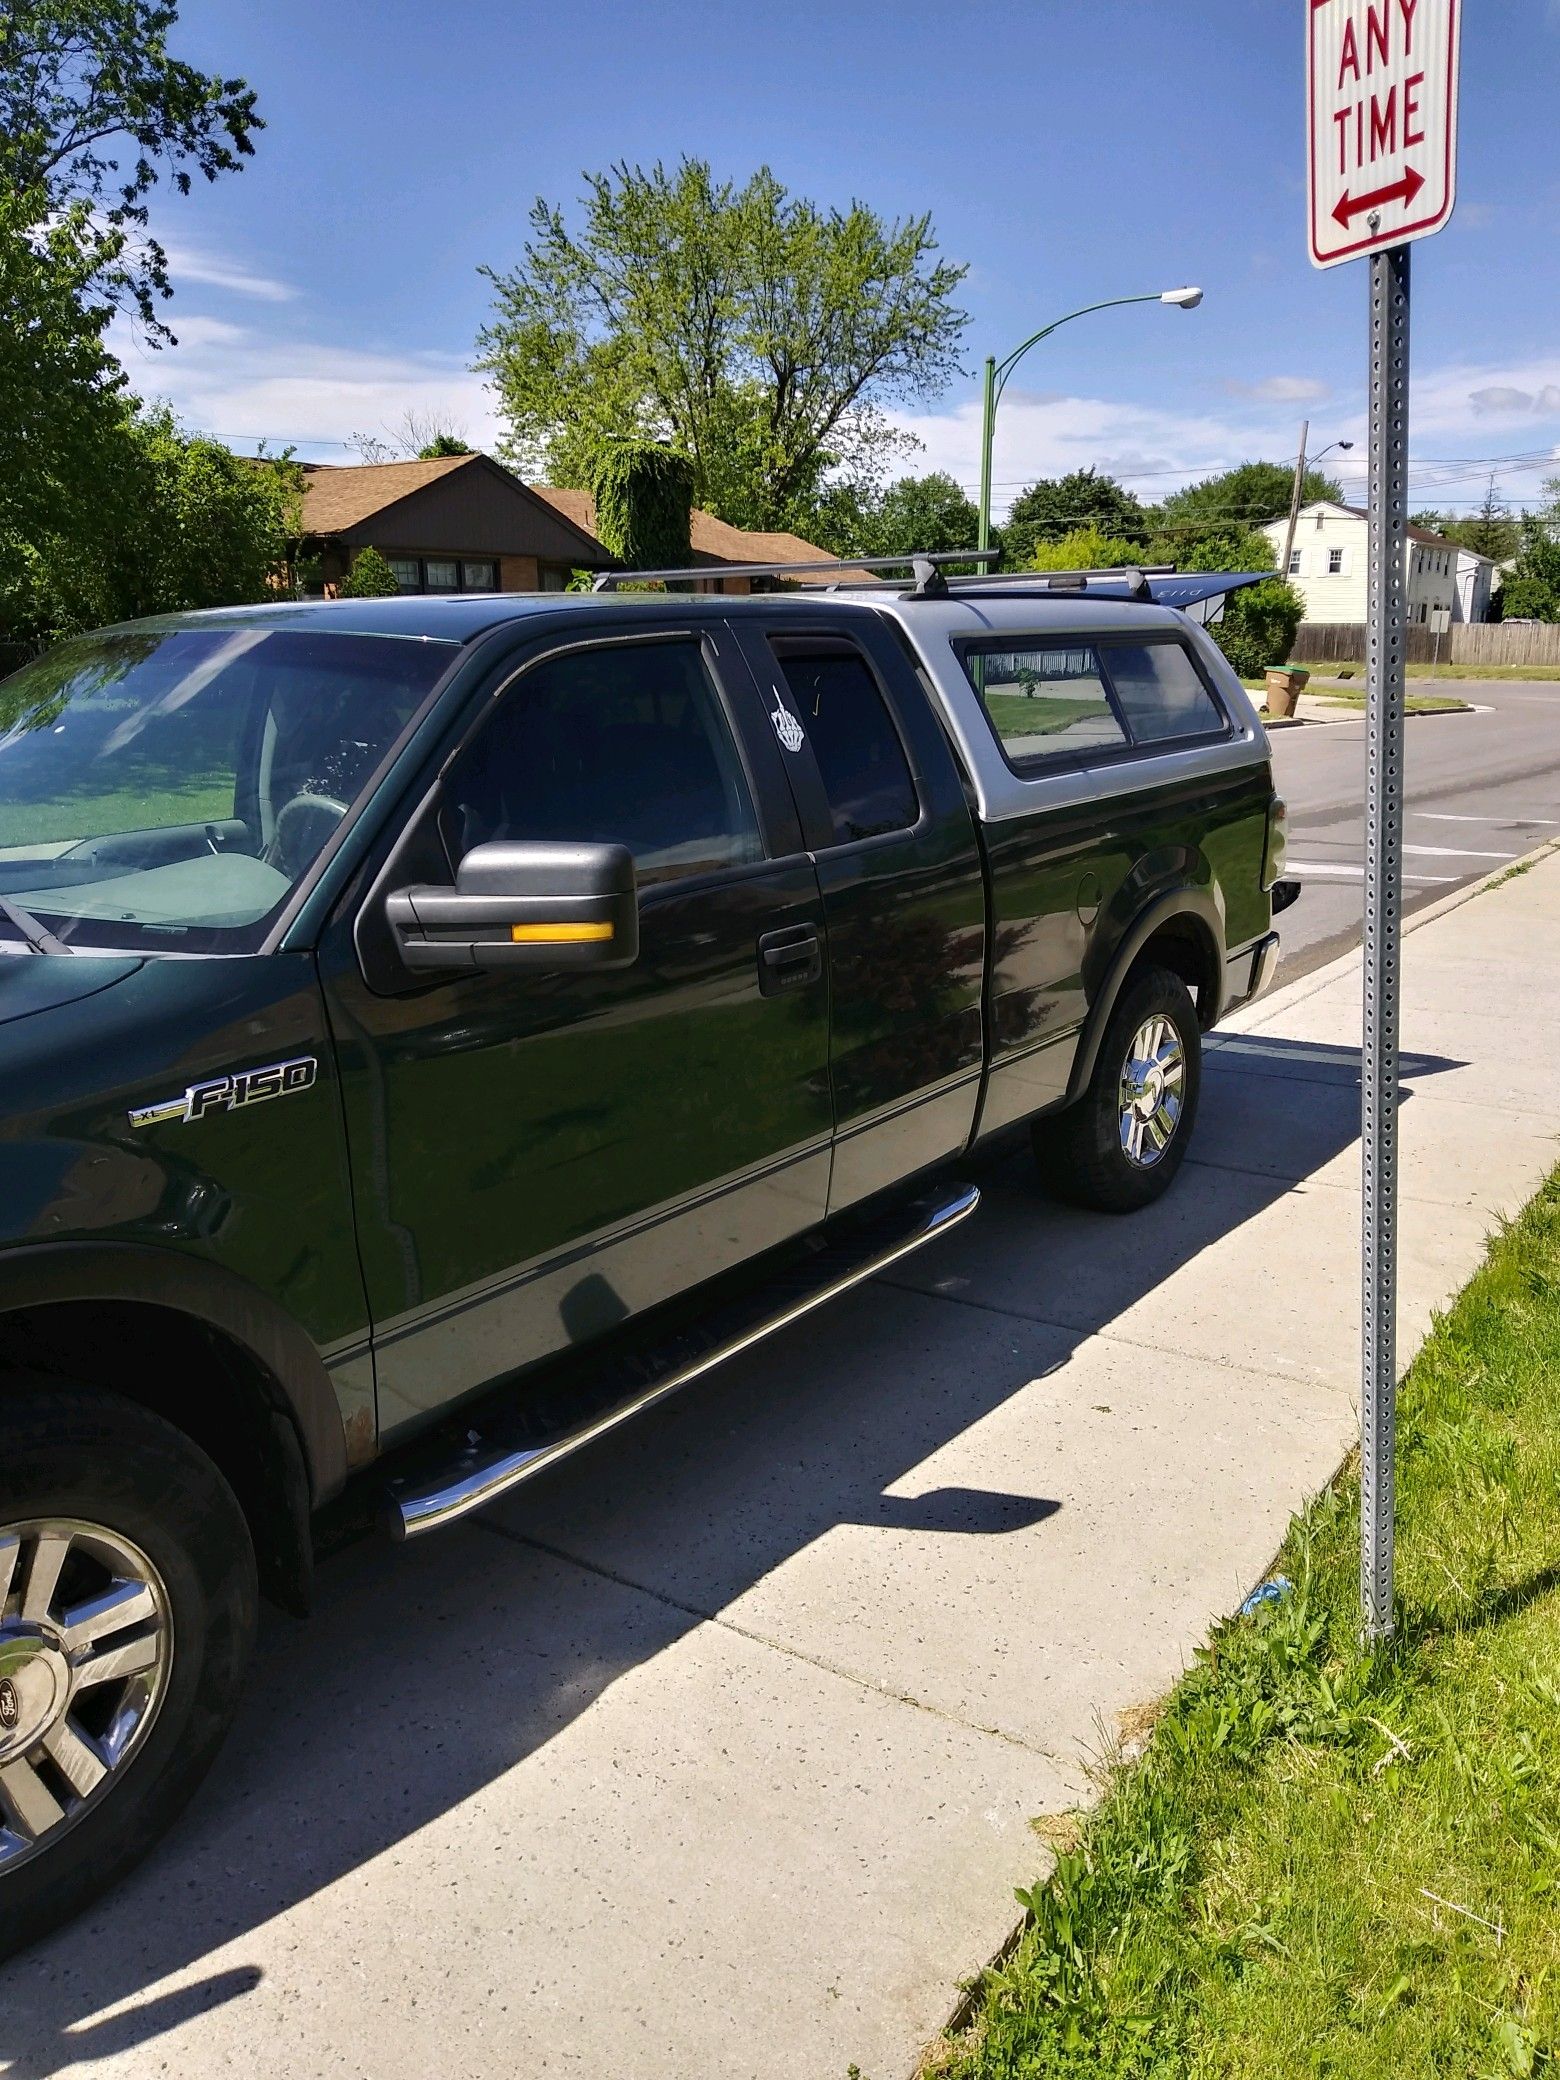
[(94, 111), (753, 330), (644, 501)]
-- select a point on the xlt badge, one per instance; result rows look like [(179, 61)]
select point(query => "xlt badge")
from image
[(228, 1093)]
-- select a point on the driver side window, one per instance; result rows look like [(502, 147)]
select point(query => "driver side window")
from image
[(626, 744)]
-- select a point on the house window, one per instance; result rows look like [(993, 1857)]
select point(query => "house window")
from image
[(1294, 563), (1335, 563), (444, 574)]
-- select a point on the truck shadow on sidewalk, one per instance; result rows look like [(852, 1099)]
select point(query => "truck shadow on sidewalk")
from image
[(430, 1671)]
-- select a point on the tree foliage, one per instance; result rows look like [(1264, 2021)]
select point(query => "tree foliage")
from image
[(929, 512), (644, 499), (60, 389), (1085, 549), (369, 578), (1257, 627), (1228, 508), (1491, 531), (1054, 507), (175, 521), (94, 110), (756, 332)]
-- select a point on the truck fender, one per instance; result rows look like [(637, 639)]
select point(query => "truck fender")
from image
[(1193, 903), (39, 1275)]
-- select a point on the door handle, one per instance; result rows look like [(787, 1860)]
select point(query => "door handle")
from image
[(788, 959)]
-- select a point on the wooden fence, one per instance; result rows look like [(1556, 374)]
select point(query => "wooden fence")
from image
[(1465, 642)]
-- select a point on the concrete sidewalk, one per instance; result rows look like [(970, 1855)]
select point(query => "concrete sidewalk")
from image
[(714, 1754)]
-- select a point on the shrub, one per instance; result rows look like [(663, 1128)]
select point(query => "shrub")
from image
[(644, 498), (1258, 626), (369, 578)]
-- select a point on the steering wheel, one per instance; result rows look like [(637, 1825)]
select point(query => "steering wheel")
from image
[(302, 829)]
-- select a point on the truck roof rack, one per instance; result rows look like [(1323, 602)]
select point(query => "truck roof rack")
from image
[(927, 579)]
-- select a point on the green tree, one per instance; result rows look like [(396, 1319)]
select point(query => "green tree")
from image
[(1056, 506), (94, 110), (1257, 627), (444, 444), (1232, 504), (61, 392), (929, 512), (1491, 531), (1085, 549), (644, 502), (177, 521), (756, 332), (369, 578)]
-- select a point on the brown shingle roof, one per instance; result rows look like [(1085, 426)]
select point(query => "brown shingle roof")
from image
[(340, 495), (712, 540)]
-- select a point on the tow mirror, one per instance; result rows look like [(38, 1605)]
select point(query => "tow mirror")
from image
[(524, 904)]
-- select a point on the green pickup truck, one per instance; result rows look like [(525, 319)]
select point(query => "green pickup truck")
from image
[(433, 1029)]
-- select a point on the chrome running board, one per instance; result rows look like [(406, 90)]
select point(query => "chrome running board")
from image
[(485, 1469)]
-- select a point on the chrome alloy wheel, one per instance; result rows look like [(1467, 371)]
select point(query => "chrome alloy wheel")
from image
[(86, 1642), (1153, 1083)]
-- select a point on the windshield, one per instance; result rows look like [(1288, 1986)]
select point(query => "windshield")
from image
[(170, 788)]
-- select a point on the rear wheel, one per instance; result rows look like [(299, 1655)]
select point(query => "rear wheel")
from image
[(1119, 1147), (127, 1610)]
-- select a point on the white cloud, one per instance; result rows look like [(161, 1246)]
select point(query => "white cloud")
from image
[(1279, 389), (1150, 448), (245, 385), (189, 264)]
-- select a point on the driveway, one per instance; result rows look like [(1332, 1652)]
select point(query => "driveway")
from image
[(715, 1751)]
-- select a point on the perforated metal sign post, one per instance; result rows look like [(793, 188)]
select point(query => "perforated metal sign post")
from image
[(1389, 276), (1381, 155)]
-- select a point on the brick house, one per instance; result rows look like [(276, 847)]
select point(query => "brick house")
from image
[(457, 523), (464, 523)]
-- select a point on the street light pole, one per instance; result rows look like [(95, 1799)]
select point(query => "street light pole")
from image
[(997, 373)]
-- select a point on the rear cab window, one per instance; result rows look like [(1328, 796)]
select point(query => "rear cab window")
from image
[(1081, 699), (861, 761)]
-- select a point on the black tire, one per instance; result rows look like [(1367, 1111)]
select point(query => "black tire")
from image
[(1081, 1153), (68, 1453)]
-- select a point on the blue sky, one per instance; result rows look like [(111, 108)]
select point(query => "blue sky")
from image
[(1068, 150)]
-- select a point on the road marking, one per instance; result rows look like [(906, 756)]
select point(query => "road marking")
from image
[(1341, 870), (1457, 852), (1496, 816)]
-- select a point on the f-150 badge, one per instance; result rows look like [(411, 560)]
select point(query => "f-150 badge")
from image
[(228, 1093), (787, 728)]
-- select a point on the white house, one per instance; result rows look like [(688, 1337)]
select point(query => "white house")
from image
[(1328, 564), (1477, 578)]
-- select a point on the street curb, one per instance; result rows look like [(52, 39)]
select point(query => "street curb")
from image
[(1296, 992), (1358, 715)]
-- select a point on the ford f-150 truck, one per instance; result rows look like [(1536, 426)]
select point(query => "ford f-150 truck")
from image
[(433, 1029)]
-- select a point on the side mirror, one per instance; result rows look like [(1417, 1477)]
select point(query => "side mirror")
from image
[(524, 904)]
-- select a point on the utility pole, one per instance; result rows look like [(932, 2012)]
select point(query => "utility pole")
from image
[(1294, 499)]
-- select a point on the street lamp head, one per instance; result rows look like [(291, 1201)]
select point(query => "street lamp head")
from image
[(1345, 444), (1183, 299)]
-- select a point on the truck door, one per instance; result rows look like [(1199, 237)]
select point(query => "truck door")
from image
[(882, 805), (535, 1156)]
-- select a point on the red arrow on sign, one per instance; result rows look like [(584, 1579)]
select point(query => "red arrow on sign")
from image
[(1350, 206)]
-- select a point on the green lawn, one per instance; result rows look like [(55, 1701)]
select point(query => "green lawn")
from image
[(1448, 671), (1327, 1863), (1354, 697)]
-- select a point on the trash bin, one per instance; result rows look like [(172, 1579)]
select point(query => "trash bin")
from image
[(1284, 683)]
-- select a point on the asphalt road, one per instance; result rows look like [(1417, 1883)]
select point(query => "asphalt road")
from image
[(1482, 789)]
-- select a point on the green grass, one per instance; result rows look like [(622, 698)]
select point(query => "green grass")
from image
[(1354, 697), (1448, 671), (1329, 1863)]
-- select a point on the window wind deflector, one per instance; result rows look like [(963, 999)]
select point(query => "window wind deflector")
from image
[(37, 934)]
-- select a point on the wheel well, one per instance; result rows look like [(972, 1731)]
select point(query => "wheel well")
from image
[(1186, 947), (207, 1385)]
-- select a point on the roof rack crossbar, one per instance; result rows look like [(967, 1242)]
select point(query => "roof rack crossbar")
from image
[(922, 564)]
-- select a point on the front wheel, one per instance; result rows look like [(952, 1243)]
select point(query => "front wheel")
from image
[(127, 1609), (1120, 1145)]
